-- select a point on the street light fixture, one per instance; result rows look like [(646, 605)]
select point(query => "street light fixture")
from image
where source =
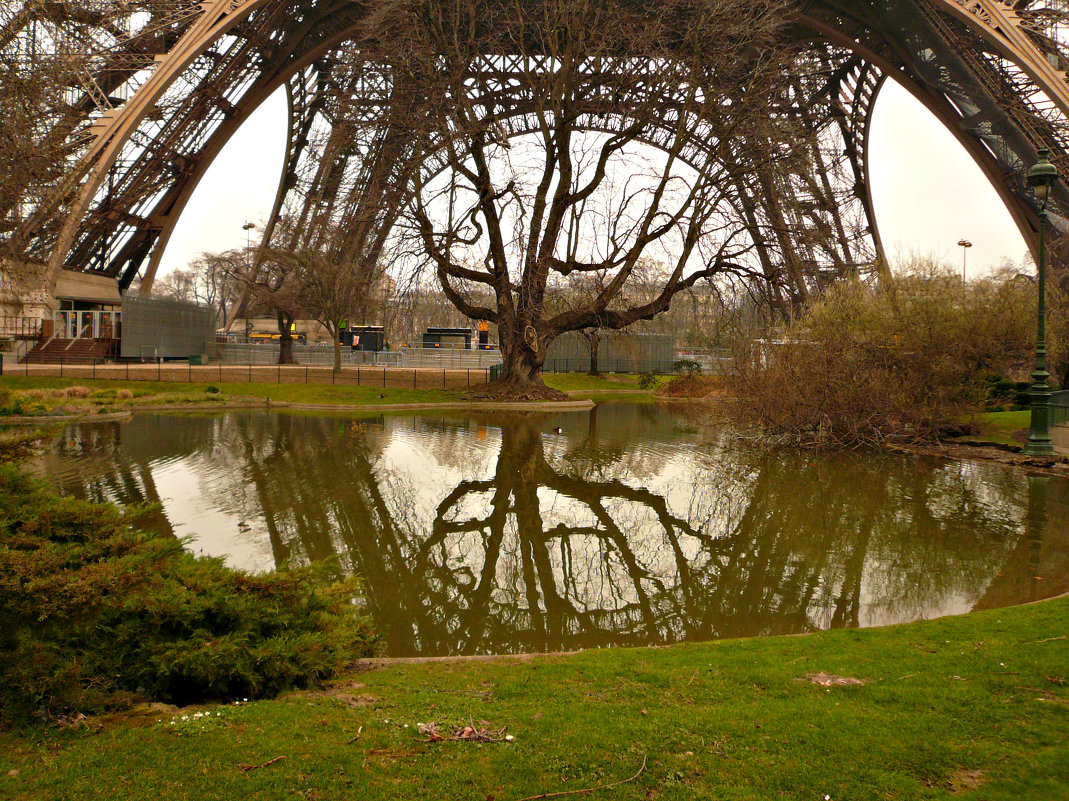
[(964, 244), (1042, 178), (247, 228)]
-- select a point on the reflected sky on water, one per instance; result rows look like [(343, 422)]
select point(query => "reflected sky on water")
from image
[(626, 525)]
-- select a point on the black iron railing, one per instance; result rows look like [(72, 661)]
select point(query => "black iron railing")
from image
[(1059, 408)]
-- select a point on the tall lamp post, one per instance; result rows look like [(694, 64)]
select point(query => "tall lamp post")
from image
[(247, 228), (1042, 178), (964, 244)]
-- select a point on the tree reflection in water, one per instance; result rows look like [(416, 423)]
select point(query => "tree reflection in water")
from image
[(625, 529)]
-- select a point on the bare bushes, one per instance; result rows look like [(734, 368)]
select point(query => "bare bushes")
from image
[(903, 363)]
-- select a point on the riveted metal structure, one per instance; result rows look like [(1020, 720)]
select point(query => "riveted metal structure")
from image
[(165, 84)]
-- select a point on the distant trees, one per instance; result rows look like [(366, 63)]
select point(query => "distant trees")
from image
[(307, 283), (214, 279), (44, 67), (35, 118)]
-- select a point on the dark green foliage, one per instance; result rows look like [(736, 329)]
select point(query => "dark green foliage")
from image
[(687, 367), (1004, 394), (213, 390), (97, 614), (647, 381)]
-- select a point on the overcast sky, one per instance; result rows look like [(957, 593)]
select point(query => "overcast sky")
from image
[(928, 192)]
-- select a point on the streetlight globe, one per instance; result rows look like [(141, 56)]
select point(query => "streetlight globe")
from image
[(1042, 176)]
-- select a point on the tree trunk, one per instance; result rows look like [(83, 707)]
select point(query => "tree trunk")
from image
[(594, 338), (523, 357), (285, 339), (336, 333)]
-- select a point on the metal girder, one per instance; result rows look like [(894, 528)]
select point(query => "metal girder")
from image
[(169, 81)]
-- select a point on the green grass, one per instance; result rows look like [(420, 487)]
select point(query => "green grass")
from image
[(172, 393), (980, 698), (1001, 426), (166, 393)]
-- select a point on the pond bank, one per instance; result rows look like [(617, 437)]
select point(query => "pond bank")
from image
[(431, 406), (106, 399), (919, 711)]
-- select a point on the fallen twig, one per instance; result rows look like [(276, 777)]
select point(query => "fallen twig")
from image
[(590, 789), (247, 768), (376, 752), (356, 736), (1049, 639)]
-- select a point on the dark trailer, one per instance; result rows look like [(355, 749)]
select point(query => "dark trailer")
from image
[(451, 338), (364, 337)]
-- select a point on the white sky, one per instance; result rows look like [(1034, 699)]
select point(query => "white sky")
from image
[(928, 192)]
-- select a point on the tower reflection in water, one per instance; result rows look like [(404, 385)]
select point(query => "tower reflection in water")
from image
[(629, 527)]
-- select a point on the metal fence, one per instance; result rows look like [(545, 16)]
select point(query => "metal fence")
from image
[(409, 358), (20, 327), (449, 357), (1059, 408), (710, 363), (267, 353), (220, 373)]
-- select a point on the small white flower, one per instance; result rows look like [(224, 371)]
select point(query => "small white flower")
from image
[(509, 738)]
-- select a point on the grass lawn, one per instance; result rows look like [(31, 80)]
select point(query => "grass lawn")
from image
[(974, 706), (103, 396), (1001, 426)]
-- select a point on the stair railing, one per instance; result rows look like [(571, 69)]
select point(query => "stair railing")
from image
[(55, 333), (79, 335)]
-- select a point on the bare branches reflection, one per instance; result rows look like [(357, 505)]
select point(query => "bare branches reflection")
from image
[(629, 525)]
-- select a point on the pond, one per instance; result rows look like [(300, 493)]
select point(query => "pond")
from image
[(626, 525)]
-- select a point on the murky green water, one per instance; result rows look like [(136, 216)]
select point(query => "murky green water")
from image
[(622, 526)]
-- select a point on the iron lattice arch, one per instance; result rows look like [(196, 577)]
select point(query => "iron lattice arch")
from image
[(158, 87)]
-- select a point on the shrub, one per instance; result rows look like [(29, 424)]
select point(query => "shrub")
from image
[(647, 381), (79, 392), (687, 367), (124, 394), (213, 390), (863, 366), (98, 614), (692, 386)]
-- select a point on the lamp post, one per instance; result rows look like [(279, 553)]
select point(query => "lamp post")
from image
[(964, 244), (1042, 178), (247, 228)]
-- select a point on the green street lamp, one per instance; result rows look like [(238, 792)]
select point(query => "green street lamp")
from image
[(1042, 178)]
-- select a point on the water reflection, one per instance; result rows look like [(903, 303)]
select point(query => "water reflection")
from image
[(623, 526)]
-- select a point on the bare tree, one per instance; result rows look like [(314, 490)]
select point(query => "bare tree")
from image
[(37, 72), (511, 193), (308, 283), (214, 279)]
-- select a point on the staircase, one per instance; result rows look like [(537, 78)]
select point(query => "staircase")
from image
[(68, 351)]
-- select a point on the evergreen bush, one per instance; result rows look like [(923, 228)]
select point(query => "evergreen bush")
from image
[(98, 614)]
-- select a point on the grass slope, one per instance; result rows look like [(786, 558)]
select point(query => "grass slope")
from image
[(1002, 427), (104, 392), (974, 706)]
